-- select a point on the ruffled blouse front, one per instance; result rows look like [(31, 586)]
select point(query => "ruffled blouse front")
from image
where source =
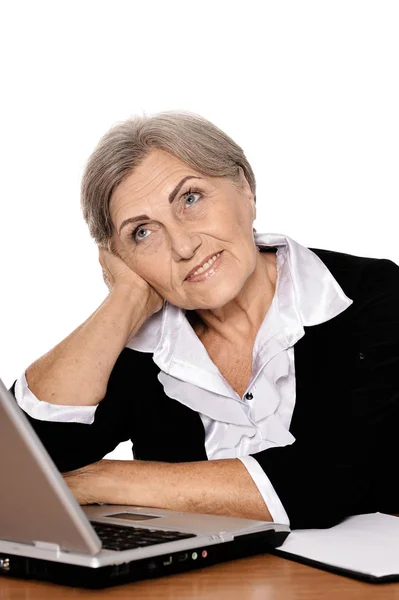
[(306, 294)]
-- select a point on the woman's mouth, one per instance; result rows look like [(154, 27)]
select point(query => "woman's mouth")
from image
[(207, 270)]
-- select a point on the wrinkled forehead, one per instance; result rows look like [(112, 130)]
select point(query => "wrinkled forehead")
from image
[(152, 180)]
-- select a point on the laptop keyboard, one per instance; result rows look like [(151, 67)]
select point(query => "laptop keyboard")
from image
[(116, 537)]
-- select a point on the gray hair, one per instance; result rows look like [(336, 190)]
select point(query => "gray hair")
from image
[(185, 135)]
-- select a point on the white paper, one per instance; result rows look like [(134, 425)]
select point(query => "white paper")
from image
[(368, 544)]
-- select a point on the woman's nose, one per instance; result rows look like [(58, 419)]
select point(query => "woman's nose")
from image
[(184, 243)]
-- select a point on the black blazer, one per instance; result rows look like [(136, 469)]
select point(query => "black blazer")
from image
[(345, 457)]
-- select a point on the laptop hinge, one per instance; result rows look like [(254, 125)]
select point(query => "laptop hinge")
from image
[(47, 546)]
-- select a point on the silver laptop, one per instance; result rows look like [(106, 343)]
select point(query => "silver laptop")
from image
[(45, 534)]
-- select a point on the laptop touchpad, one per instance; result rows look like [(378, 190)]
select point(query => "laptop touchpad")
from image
[(132, 516)]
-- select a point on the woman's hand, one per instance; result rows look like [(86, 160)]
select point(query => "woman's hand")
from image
[(116, 273)]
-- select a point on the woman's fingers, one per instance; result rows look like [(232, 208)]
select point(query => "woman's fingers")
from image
[(115, 270), (107, 280), (107, 274)]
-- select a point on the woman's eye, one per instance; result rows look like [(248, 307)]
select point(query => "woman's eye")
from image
[(135, 233), (189, 194)]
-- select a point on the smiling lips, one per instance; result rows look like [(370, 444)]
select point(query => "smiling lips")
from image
[(204, 267)]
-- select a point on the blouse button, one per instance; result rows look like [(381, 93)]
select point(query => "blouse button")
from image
[(249, 396)]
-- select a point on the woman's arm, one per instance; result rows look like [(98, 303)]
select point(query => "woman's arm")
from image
[(219, 487), (73, 445), (76, 371)]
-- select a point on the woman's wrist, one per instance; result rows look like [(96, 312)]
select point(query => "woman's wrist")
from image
[(134, 304), (104, 481)]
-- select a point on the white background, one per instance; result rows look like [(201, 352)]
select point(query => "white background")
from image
[(309, 89)]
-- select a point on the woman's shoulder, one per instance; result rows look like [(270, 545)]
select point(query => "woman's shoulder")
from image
[(358, 275), (343, 260)]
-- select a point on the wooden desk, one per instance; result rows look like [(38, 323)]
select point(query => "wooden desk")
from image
[(264, 577)]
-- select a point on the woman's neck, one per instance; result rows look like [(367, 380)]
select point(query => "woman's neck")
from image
[(240, 319)]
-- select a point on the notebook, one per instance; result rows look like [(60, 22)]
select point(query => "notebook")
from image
[(45, 534), (364, 547)]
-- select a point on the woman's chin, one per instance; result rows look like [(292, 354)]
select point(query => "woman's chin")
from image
[(213, 300)]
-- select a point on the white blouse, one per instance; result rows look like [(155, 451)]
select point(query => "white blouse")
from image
[(306, 294)]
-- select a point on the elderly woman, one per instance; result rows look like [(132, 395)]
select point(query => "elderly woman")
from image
[(254, 376)]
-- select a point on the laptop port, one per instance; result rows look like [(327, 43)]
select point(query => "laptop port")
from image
[(152, 565), (5, 564), (167, 561), (182, 557)]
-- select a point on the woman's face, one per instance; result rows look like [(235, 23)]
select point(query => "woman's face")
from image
[(205, 216)]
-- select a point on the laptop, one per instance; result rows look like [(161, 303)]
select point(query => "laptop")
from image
[(46, 535)]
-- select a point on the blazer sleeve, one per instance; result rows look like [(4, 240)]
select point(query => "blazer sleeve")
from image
[(353, 470), (73, 445)]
